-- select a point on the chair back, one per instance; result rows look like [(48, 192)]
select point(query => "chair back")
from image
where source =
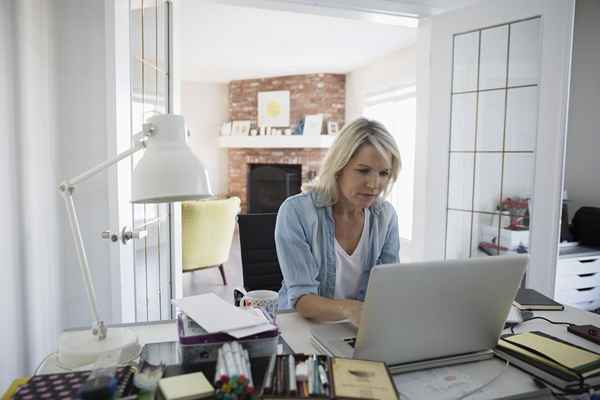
[(207, 231), (260, 266)]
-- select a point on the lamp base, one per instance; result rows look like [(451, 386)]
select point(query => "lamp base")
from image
[(79, 348)]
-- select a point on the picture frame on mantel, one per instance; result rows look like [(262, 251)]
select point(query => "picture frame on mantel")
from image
[(240, 128), (313, 125), (274, 108), (226, 129)]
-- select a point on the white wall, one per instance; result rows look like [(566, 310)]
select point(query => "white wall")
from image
[(556, 17), (394, 70), (81, 125), (11, 295), (205, 108), (583, 139)]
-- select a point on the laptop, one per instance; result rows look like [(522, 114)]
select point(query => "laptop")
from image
[(429, 314)]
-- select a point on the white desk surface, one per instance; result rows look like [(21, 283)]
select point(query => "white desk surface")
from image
[(440, 383)]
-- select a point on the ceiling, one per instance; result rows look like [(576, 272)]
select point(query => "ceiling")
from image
[(220, 42)]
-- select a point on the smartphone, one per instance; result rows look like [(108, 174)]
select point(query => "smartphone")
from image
[(589, 332)]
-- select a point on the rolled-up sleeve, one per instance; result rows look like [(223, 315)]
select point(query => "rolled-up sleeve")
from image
[(390, 253), (298, 266)]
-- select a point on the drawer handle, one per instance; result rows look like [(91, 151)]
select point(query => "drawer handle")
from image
[(586, 275), (584, 289), (585, 302), (588, 261)]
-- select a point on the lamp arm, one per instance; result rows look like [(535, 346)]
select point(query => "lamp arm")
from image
[(70, 183), (67, 187)]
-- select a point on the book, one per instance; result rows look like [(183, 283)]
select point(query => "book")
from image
[(529, 299), (66, 385), (361, 379), (552, 360), (185, 387)]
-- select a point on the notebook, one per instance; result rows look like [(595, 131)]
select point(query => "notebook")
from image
[(66, 385), (185, 387), (553, 360), (529, 299)]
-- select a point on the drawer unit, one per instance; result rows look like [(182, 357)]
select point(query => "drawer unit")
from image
[(584, 298), (578, 281)]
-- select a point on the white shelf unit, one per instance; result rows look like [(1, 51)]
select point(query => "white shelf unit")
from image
[(277, 142), (578, 279)]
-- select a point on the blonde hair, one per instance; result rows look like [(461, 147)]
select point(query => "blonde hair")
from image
[(354, 135)]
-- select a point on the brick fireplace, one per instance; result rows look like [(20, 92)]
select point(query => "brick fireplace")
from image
[(241, 159), (309, 94)]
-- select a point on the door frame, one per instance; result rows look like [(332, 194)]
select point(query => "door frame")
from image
[(555, 61)]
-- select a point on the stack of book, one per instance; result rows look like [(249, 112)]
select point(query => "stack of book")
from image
[(559, 363)]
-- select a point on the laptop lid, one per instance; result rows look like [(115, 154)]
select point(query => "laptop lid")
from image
[(426, 310)]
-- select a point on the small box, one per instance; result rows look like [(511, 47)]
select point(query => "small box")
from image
[(195, 345), (510, 239)]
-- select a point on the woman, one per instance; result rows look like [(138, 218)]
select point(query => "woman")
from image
[(330, 236)]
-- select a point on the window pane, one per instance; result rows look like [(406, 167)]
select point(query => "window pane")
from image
[(466, 50), (399, 117)]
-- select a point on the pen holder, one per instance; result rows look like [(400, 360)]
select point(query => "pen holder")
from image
[(297, 376)]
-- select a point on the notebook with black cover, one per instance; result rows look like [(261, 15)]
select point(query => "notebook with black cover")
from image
[(529, 299)]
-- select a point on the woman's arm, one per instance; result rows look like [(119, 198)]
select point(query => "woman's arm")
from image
[(323, 309)]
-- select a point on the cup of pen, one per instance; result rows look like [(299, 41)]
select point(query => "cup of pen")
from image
[(266, 300)]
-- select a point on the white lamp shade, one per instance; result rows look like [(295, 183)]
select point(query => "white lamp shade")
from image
[(168, 170)]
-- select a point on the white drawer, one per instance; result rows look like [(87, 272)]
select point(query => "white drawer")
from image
[(587, 305), (577, 296), (580, 281), (578, 266)]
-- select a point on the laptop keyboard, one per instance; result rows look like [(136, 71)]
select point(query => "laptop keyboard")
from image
[(351, 341)]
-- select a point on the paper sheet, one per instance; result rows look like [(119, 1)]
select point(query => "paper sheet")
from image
[(439, 384), (216, 315)]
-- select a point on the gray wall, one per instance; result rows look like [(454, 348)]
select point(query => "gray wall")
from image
[(11, 295), (52, 127), (583, 141)]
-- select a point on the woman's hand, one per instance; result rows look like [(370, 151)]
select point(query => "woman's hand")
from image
[(352, 310), (323, 309)]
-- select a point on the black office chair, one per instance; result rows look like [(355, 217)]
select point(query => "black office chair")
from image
[(260, 266)]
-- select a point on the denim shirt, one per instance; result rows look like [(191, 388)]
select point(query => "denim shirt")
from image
[(305, 238)]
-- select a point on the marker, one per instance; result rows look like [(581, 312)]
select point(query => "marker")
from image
[(292, 378)]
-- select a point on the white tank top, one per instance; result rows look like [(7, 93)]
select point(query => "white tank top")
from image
[(348, 268)]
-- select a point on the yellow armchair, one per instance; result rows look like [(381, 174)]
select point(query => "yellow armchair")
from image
[(207, 231)]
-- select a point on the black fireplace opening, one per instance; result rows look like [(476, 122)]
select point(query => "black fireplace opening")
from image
[(270, 184)]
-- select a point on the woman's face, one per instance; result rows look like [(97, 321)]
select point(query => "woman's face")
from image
[(363, 178)]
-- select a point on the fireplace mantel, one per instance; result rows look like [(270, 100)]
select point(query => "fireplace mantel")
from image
[(277, 142)]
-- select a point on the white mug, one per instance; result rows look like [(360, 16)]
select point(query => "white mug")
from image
[(268, 300)]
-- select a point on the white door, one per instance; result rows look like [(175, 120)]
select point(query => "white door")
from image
[(141, 268), (498, 78)]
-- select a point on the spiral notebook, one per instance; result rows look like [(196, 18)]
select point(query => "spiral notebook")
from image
[(66, 385)]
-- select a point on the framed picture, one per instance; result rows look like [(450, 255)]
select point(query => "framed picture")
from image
[(226, 129), (274, 108), (240, 128), (332, 127), (313, 125)]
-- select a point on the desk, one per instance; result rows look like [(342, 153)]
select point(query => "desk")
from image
[(438, 383)]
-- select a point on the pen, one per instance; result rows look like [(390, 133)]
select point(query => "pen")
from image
[(311, 376), (324, 380), (268, 382), (317, 381)]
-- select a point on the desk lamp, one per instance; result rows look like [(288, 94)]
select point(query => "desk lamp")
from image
[(168, 171)]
